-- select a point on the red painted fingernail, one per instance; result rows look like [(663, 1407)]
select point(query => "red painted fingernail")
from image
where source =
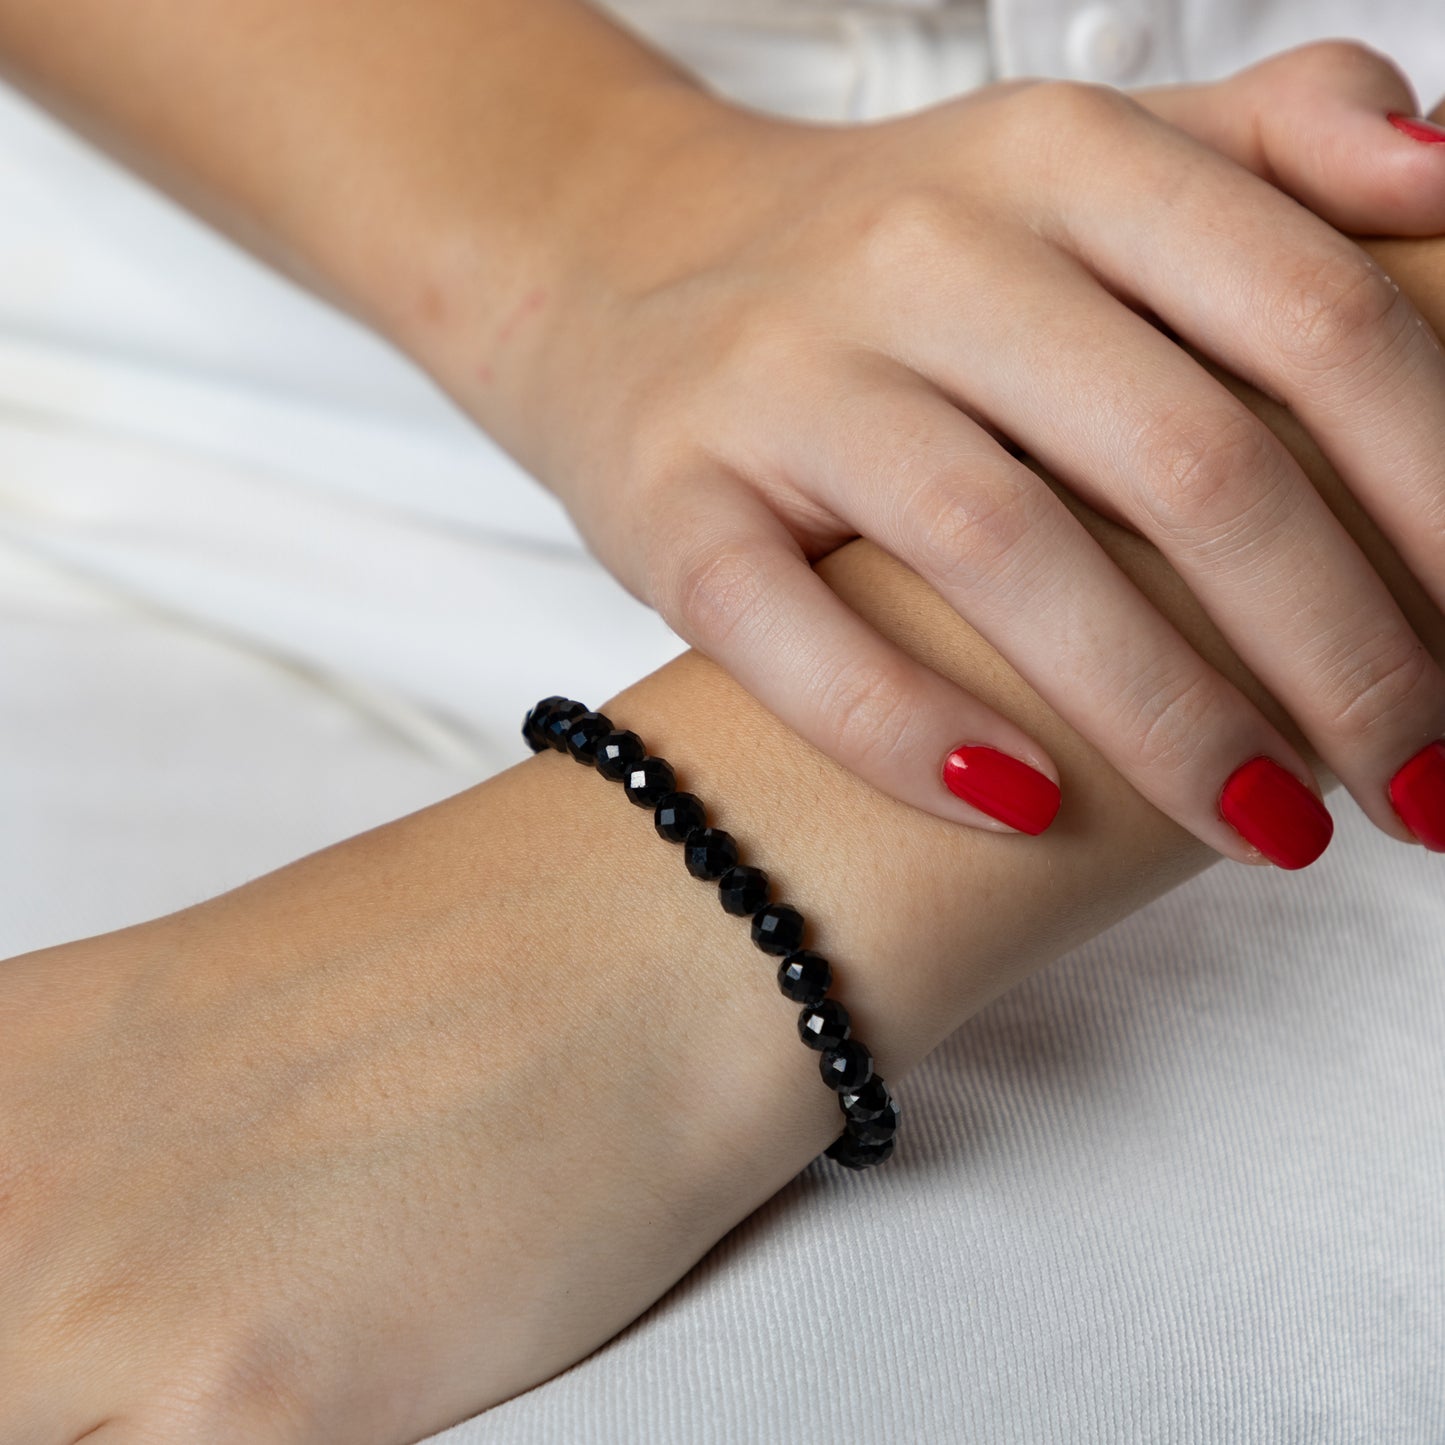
[(1002, 787), (1417, 128), (1272, 809), (1418, 793)]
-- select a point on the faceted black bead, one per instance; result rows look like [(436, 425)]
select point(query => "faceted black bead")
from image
[(536, 719), (584, 732), (875, 1131), (868, 1102), (848, 1066), (617, 752), (648, 782), (778, 928), (677, 815), (805, 976), (853, 1153), (558, 720), (743, 890), (709, 853), (824, 1025)]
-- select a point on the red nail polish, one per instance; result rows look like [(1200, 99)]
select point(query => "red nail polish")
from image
[(1002, 787), (1417, 128), (1272, 809), (1418, 793)]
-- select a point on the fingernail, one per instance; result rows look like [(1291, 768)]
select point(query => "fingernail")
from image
[(1002, 787), (1418, 793), (1417, 127), (1272, 809)]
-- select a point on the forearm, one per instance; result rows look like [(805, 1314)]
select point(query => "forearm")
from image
[(406, 160)]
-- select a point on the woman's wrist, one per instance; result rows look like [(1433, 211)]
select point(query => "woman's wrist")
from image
[(427, 167), (516, 328)]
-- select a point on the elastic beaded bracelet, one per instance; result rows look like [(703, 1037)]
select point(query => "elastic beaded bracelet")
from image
[(870, 1115)]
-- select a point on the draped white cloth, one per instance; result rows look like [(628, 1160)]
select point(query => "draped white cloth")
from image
[(261, 587), (854, 59)]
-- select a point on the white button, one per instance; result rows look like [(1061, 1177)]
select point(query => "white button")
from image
[(1106, 43)]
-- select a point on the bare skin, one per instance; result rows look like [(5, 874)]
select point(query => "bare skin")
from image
[(730, 343), (392, 1133)]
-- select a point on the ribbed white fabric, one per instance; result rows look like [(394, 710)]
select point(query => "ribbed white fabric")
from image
[(261, 586)]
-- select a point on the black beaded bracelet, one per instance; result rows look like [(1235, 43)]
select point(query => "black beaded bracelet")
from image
[(870, 1115)]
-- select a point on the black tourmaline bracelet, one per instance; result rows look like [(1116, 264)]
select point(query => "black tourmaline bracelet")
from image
[(869, 1112)]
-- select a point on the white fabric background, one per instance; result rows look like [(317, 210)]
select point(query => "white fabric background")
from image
[(261, 587), (843, 60)]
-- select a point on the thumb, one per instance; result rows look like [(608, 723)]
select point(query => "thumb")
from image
[(1315, 121)]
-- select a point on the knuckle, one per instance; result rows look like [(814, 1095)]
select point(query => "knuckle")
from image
[(1338, 61), (713, 589), (773, 341), (867, 716), (1207, 473), (1075, 107), (907, 230), (968, 530), (1339, 311), (1380, 684)]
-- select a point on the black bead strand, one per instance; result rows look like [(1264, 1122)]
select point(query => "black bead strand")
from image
[(536, 720), (554, 730), (617, 752), (876, 1130), (870, 1114), (846, 1066), (677, 815), (824, 1025), (709, 853), (805, 976), (778, 928), (852, 1153), (648, 782), (867, 1102), (743, 890), (584, 732)]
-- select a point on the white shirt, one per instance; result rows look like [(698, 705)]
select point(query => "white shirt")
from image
[(861, 59)]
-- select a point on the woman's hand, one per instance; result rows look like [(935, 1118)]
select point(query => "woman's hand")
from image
[(784, 336), (730, 343)]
